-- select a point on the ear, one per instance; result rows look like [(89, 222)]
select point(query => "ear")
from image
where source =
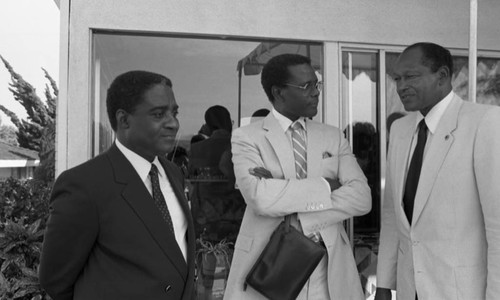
[(444, 74), (122, 119), (276, 91)]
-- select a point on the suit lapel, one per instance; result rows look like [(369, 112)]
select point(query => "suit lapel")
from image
[(401, 146), (137, 196), (437, 151), (280, 144)]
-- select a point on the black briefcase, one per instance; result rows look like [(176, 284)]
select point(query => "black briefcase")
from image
[(285, 264)]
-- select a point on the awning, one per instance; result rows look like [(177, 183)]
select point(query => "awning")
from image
[(252, 63)]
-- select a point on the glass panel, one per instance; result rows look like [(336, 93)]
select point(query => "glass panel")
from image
[(360, 119), (488, 83), (488, 80), (204, 72)]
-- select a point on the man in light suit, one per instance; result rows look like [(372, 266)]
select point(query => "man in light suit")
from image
[(447, 246), (334, 190), (114, 232)]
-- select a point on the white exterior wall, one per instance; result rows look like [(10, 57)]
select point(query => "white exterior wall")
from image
[(387, 22)]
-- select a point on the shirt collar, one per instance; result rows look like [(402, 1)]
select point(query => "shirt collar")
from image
[(436, 113), (140, 164), (285, 122)]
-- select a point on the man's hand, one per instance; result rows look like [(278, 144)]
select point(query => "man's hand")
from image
[(260, 173), (334, 183), (383, 294)]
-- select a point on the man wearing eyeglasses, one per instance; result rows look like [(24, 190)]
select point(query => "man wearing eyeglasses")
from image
[(319, 183)]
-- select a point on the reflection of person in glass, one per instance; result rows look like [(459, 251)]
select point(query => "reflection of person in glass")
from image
[(203, 134), (215, 199), (365, 148), (205, 155), (440, 236), (120, 225), (259, 114), (326, 188)]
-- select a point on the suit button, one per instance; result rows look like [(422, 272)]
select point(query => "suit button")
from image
[(168, 288)]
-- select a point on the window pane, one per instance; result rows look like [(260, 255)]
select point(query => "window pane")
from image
[(360, 119), (205, 73)]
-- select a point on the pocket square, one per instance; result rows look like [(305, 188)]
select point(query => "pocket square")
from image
[(327, 154)]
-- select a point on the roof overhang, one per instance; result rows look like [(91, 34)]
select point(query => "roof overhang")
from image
[(18, 163)]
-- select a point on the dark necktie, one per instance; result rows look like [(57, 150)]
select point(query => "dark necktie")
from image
[(414, 171), (158, 197), (299, 150)]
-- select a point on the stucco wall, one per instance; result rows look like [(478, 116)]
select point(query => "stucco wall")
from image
[(388, 22), (383, 21)]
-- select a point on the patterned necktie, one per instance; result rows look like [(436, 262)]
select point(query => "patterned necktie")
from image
[(158, 197), (299, 150), (414, 171)]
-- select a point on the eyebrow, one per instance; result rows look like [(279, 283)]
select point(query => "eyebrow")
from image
[(165, 107)]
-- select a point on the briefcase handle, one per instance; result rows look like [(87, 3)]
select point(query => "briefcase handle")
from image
[(288, 220)]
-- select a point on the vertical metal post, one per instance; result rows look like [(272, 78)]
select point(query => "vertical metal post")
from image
[(239, 96), (349, 126), (472, 51), (382, 122)]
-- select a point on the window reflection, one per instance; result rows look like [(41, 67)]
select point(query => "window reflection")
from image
[(360, 93), (360, 119), (216, 83)]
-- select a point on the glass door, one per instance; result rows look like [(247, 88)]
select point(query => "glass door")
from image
[(360, 123)]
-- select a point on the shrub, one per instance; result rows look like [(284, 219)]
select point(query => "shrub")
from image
[(23, 215)]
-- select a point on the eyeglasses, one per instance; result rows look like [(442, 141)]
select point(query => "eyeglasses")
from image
[(308, 86)]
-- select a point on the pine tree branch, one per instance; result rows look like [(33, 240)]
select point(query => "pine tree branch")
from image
[(13, 118)]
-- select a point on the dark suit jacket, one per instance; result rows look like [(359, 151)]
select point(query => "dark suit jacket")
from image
[(208, 153), (105, 238)]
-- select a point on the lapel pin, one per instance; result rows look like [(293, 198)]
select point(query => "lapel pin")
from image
[(326, 154)]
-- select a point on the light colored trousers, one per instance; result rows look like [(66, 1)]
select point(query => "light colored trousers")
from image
[(316, 288)]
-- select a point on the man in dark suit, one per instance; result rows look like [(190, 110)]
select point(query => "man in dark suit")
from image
[(120, 226)]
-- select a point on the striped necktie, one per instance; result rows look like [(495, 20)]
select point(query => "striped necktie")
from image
[(299, 149)]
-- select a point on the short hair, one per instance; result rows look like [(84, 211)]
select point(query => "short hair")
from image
[(276, 73), (434, 56), (127, 91), (260, 112), (218, 117)]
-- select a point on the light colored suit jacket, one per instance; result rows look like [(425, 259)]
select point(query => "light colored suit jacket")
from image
[(452, 250), (264, 144)]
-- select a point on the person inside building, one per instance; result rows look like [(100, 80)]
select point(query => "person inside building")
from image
[(217, 206)]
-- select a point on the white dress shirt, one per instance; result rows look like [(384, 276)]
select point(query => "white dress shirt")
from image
[(432, 121), (285, 124), (142, 167)]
